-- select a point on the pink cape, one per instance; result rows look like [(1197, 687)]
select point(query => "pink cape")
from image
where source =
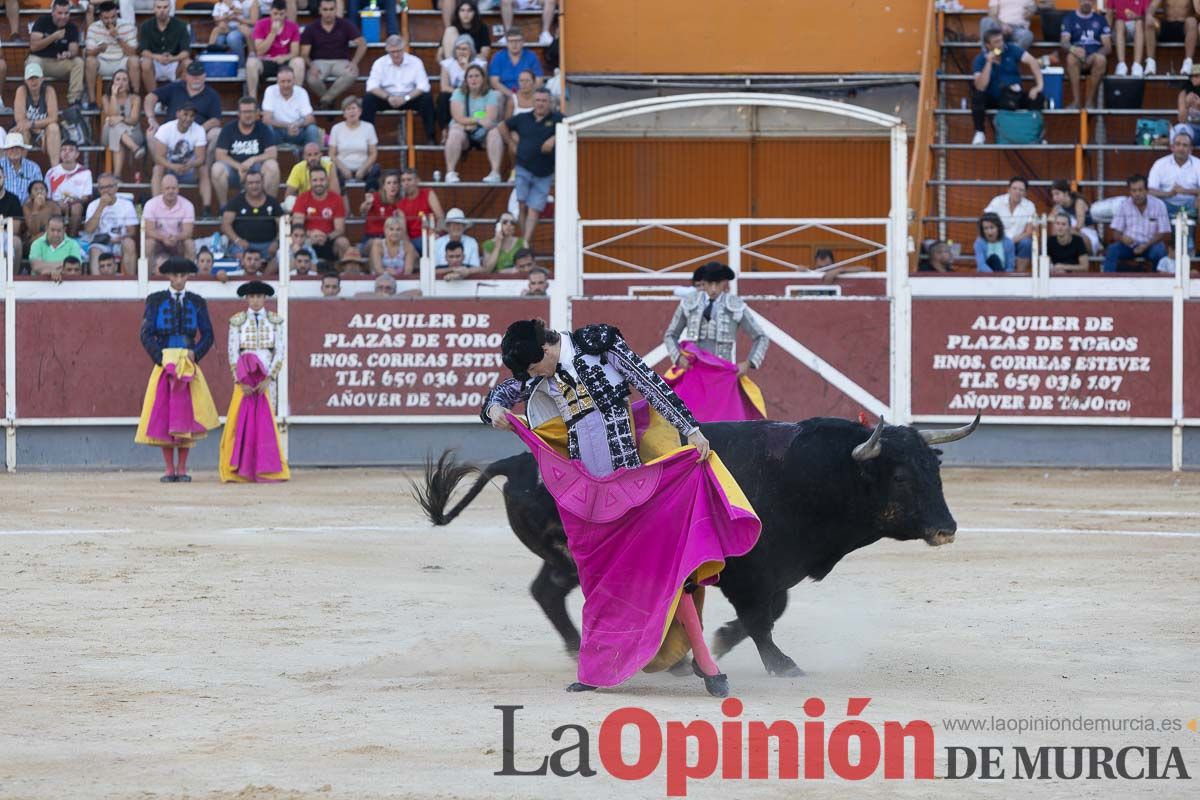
[(636, 535), (711, 389), (172, 416), (255, 447)]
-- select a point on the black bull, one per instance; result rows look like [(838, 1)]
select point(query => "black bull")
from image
[(823, 488)]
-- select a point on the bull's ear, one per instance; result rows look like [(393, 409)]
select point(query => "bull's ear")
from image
[(873, 446)]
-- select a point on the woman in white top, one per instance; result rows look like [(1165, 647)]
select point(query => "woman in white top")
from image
[(454, 70), (475, 108), (354, 146)]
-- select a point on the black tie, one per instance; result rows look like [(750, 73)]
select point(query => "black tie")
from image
[(708, 310), (179, 311)]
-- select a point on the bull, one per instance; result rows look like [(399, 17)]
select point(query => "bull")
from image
[(822, 488)]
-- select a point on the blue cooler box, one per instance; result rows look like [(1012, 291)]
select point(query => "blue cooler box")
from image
[(219, 65), (370, 25), (1052, 86)]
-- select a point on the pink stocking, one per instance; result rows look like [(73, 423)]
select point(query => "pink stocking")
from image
[(686, 613)]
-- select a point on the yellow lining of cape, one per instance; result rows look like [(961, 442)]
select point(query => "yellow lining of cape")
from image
[(203, 407), (226, 450)]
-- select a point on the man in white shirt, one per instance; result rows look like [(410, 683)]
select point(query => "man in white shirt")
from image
[(288, 111), (1012, 18), (112, 226), (1018, 215), (398, 81), (1175, 179), (180, 149), (456, 231), (70, 185), (112, 45)]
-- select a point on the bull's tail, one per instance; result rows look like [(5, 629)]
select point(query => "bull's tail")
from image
[(441, 479)]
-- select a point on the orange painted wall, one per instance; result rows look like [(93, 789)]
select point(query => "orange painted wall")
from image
[(766, 36)]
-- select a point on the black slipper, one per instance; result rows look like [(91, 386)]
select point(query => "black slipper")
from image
[(717, 685), (183, 478), (167, 479), (580, 687)]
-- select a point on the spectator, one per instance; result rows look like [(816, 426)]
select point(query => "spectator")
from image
[(475, 110), (354, 147), (169, 219), (993, 250), (393, 253), (331, 284), (1129, 18), (111, 224), (106, 267), (324, 216), (381, 206), (70, 185), (164, 42), (253, 266), (1019, 217), (997, 81), (453, 267), (12, 11), (823, 259), (122, 129), (539, 282), (1175, 178), (398, 80), (941, 259), (180, 149), (456, 231), (19, 171), (506, 65), (1189, 103), (523, 261), (1086, 42), (534, 134), (233, 23), (303, 264), (501, 250), (1140, 228), (1178, 25), (245, 146), (203, 97), (111, 45), (54, 46), (299, 180), (35, 113), (276, 44), (251, 220), (1066, 249), (385, 286), (48, 251), (454, 72), (351, 262), (11, 207), (36, 212), (1011, 18), (289, 113), (521, 101), (326, 47), (299, 237), (416, 202), (547, 7), (463, 19), (1077, 208), (204, 261)]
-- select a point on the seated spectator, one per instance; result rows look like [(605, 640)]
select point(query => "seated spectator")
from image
[(1178, 25), (70, 186), (377, 208), (72, 267), (333, 48), (299, 181), (48, 251), (1175, 178), (233, 24), (324, 216), (253, 265), (547, 7), (456, 231), (1077, 208), (393, 253), (507, 64), (454, 72), (475, 110), (463, 19), (245, 146), (539, 282), (111, 45), (11, 207), (385, 286), (202, 96), (1086, 42), (54, 46), (823, 259), (106, 267), (111, 224), (276, 44), (19, 171), (997, 81), (1065, 248), (1140, 229), (941, 259), (288, 112), (204, 261), (1011, 18), (534, 134), (303, 264), (331, 284), (1189, 104), (169, 219), (351, 263), (299, 237), (398, 81), (1129, 19), (416, 202), (1019, 217), (122, 127), (180, 149), (523, 261), (501, 250), (454, 267), (165, 45), (35, 113), (521, 101), (354, 147), (251, 220), (993, 250), (36, 212)]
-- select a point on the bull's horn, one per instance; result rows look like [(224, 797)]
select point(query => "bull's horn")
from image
[(951, 435), (873, 446)]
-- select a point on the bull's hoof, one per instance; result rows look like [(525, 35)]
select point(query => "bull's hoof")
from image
[(717, 685), (580, 687), (682, 668), (789, 670)]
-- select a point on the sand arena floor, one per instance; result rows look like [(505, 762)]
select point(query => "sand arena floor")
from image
[(320, 640)]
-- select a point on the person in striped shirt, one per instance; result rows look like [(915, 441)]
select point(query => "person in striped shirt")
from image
[(19, 171)]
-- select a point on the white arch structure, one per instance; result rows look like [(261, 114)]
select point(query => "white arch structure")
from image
[(568, 243)]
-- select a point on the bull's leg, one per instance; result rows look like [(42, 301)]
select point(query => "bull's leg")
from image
[(757, 616), (550, 589), (731, 634)]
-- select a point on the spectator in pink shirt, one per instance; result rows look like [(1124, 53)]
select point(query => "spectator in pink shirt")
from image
[(276, 44), (169, 219)]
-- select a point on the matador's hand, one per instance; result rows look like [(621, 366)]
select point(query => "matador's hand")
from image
[(698, 440), (499, 417)]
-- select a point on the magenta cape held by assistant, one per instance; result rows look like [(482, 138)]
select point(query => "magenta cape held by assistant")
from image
[(712, 390), (636, 535), (250, 446)]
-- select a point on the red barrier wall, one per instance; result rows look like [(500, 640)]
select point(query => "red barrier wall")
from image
[(3, 365), (1191, 358), (1100, 358)]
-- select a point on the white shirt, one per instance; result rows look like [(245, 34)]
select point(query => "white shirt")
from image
[(287, 110), (114, 220), (398, 80), (1014, 221), (1012, 12), (353, 146), (470, 250), (181, 145), (1167, 173), (76, 183)]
